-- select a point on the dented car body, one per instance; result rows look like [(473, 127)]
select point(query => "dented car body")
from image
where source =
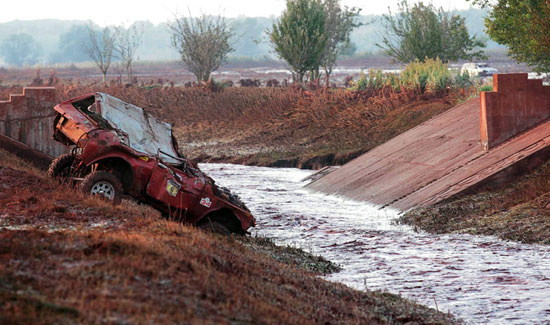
[(121, 149)]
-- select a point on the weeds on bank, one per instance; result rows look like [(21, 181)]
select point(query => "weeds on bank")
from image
[(428, 76)]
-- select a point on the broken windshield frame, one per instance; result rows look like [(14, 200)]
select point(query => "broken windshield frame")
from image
[(183, 160)]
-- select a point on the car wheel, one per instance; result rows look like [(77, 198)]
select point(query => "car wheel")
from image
[(61, 167), (103, 184)]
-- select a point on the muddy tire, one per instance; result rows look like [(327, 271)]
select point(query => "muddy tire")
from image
[(61, 166), (104, 184), (213, 226)]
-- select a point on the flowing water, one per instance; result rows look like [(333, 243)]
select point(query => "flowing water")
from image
[(478, 279)]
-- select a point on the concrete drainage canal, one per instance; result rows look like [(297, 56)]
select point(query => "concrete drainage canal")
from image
[(478, 279)]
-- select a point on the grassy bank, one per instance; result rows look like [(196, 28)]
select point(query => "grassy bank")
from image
[(66, 258), (284, 127), (517, 210)]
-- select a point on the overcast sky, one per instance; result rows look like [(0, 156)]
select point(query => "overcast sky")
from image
[(105, 12)]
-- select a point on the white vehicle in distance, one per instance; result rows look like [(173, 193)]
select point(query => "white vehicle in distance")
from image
[(478, 69)]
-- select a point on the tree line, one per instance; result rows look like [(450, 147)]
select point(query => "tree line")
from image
[(310, 35)]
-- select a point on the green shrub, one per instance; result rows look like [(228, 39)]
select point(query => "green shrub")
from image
[(487, 87), (376, 79), (361, 83), (463, 80), (428, 75), (424, 76)]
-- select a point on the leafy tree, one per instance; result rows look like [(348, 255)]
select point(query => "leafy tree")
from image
[(101, 47), (202, 42), (422, 31), (20, 49), (129, 39), (299, 37), (338, 26), (524, 27), (72, 45)]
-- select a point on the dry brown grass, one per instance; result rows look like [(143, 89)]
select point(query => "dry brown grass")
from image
[(280, 126), (66, 258), (289, 126)]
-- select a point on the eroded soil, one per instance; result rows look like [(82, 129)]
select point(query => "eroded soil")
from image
[(67, 258)]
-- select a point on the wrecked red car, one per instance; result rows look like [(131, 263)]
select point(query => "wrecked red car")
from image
[(119, 149)]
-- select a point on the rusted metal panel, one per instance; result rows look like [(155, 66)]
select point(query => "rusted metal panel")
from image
[(171, 191), (28, 118), (73, 123)]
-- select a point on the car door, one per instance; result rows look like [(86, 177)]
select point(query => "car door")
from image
[(172, 188)]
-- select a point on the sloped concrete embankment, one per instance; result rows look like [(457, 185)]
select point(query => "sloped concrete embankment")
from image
[(476, 142)]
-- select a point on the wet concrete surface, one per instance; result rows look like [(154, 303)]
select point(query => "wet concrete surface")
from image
[(478, 279)]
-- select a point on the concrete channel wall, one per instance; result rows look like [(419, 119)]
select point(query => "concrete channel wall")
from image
[(445, 155), (28, 119), (515, 105)]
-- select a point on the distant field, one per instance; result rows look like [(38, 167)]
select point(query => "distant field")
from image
[(172, 71)]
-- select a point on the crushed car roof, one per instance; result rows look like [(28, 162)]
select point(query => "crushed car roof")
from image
[(142, 131), (136, 128)]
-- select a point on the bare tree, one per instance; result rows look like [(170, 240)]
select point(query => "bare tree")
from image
[(202, 42), (100, 48), (118, 68), (129, 39)]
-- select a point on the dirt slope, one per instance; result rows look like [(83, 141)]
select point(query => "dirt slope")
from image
[(66, 258)]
